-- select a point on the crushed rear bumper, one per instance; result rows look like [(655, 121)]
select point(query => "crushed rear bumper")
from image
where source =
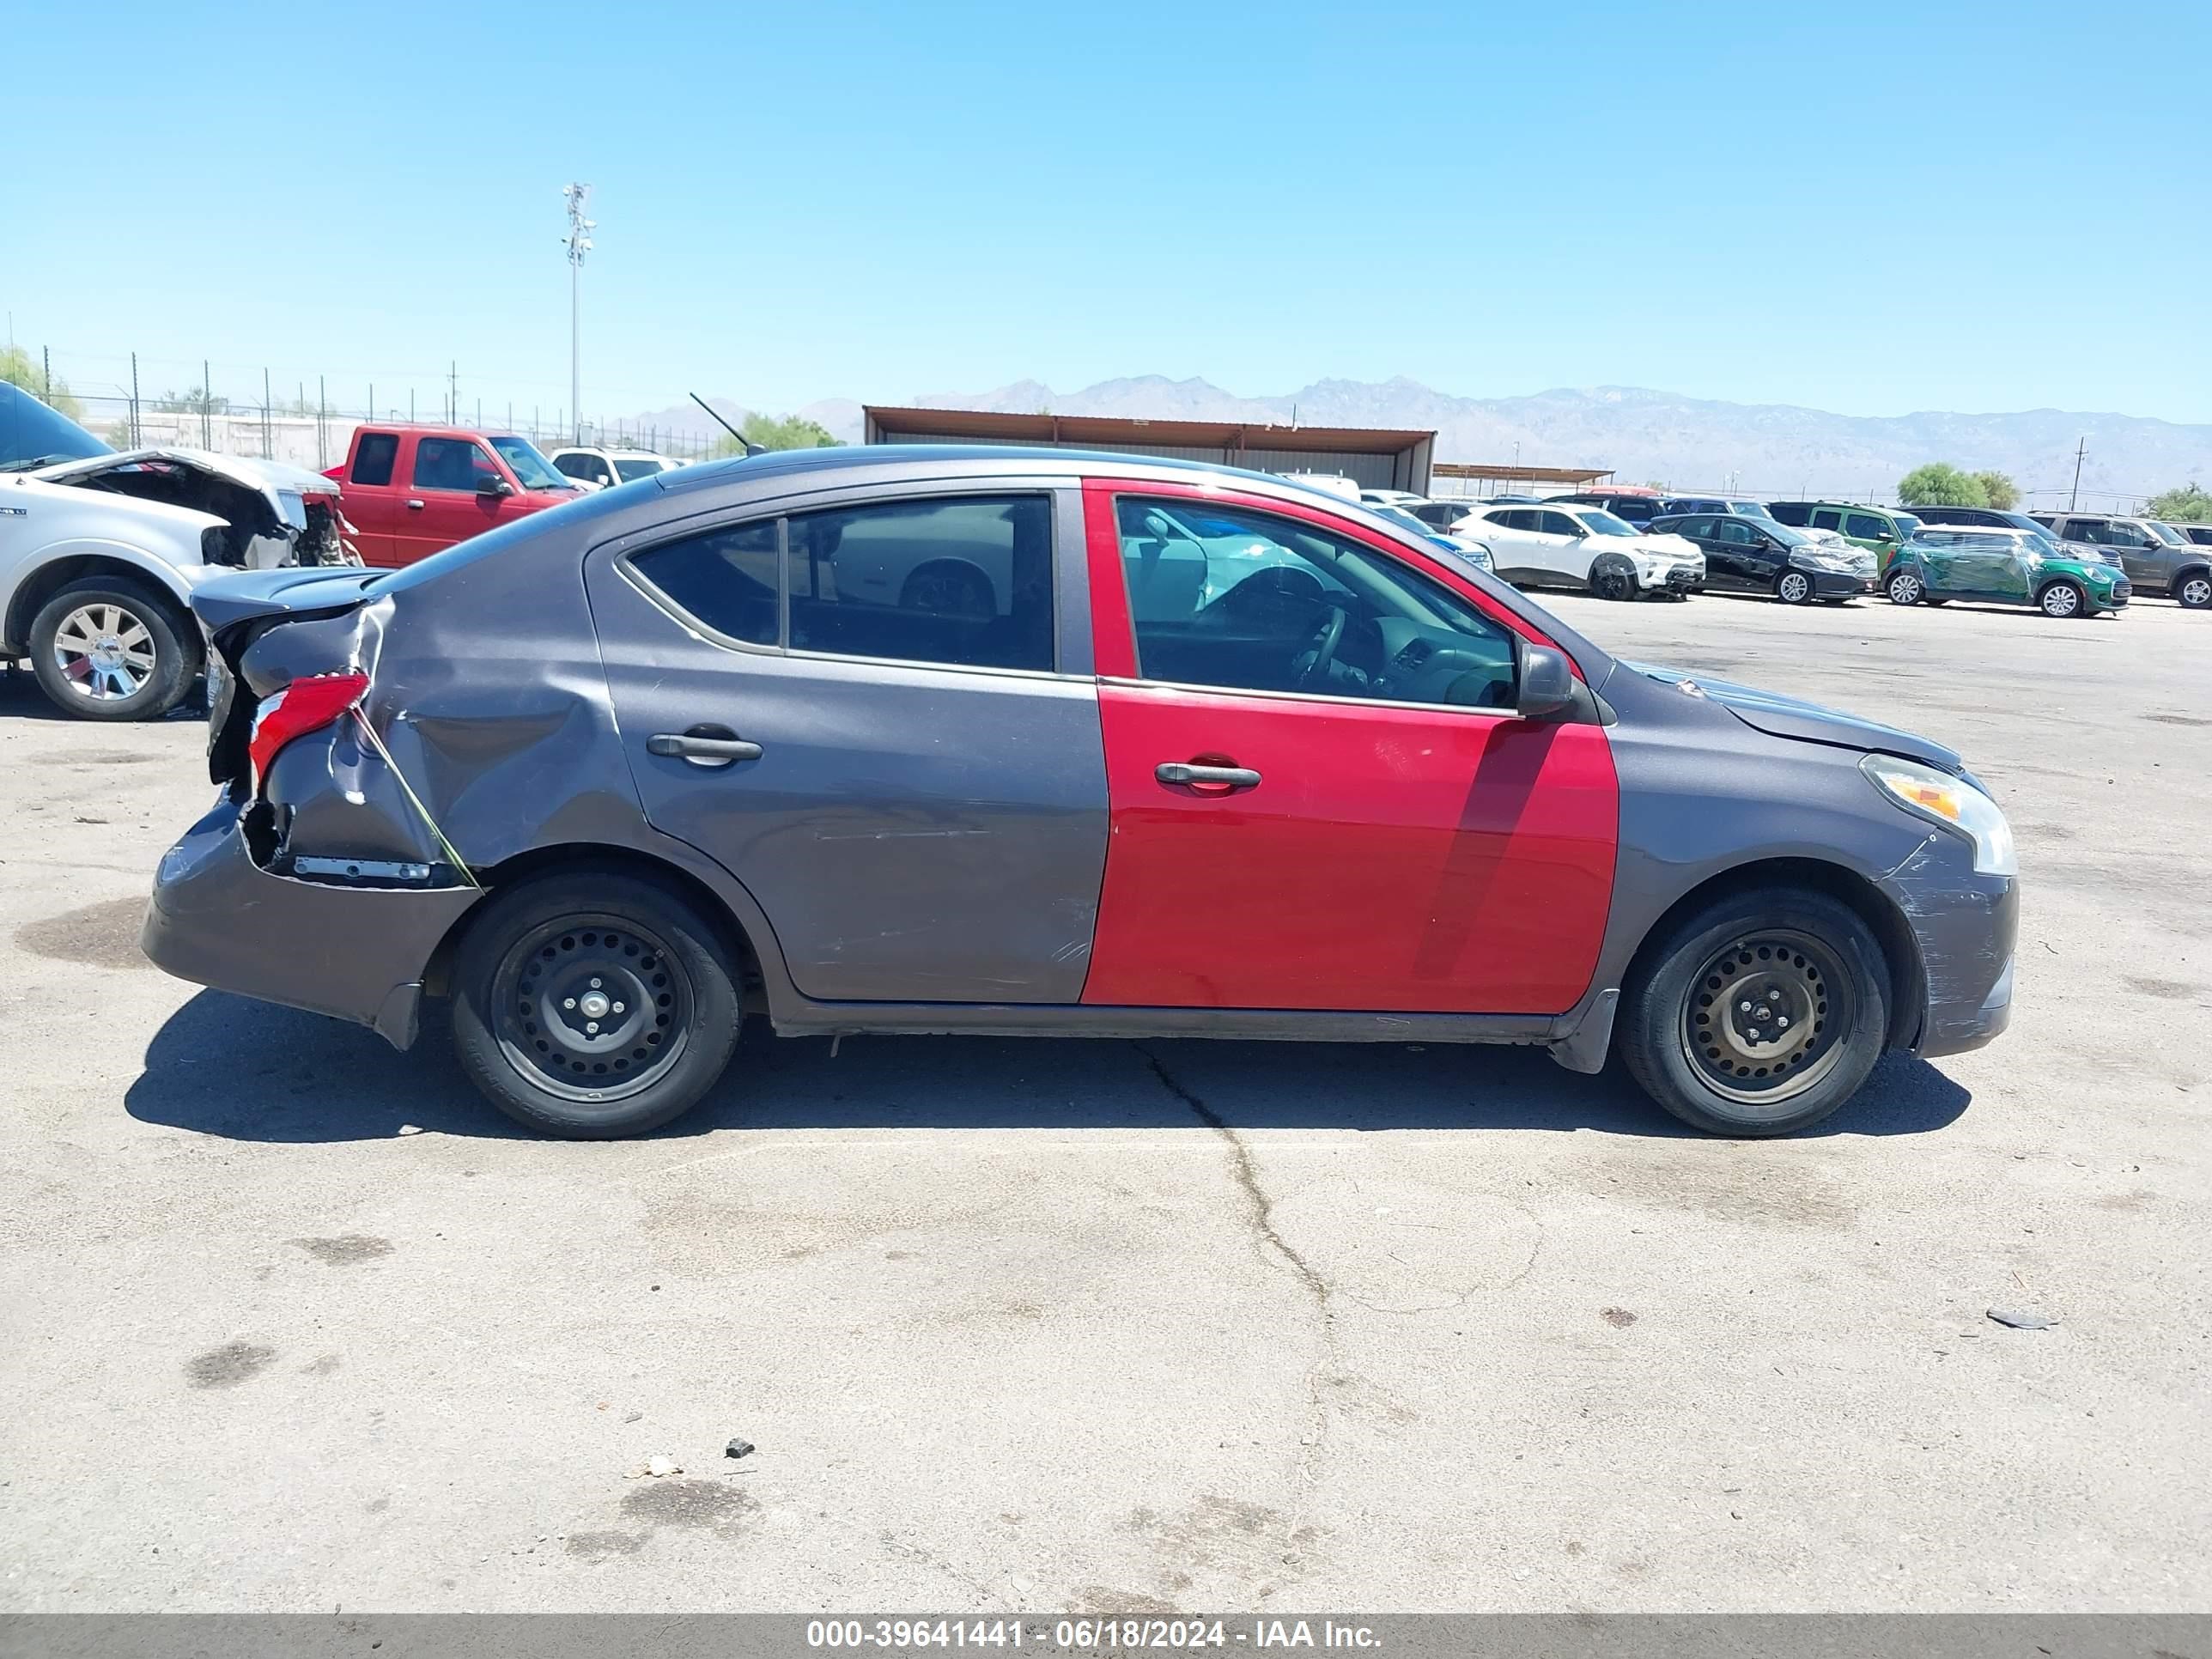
[(357, 953)]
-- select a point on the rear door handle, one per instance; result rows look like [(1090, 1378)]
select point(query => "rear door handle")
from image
[(1219, 777), (700, 749)]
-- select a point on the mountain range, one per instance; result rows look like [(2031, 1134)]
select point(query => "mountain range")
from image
[(1644, 435)]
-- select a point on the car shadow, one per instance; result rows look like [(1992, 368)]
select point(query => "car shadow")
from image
[(242, 1070)]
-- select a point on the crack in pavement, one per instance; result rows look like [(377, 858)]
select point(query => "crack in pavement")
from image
[(1268, 1239)]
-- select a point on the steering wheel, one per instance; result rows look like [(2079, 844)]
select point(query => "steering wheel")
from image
[(1326, 637)]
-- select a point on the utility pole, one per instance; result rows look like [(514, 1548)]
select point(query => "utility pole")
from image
[(135, 439), (2080, 450), (579, 197), (207, 408)]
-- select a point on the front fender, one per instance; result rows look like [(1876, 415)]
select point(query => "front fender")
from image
[(18, 579)]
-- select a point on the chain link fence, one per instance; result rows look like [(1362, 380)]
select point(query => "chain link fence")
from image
[(133, 402)]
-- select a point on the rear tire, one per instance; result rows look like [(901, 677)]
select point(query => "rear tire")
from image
[(618, 953), (107, 648), (1817, 990), (2194, 589), (1794, 587)]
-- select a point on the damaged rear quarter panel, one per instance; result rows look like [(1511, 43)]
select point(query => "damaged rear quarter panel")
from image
[(486, 686)]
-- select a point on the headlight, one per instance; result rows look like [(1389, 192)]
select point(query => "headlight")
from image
[(1951, 802)]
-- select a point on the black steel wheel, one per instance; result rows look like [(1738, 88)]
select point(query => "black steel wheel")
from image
[(593, 1006), (1758, 1015), (1763, 1021)]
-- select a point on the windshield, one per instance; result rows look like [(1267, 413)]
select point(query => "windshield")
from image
[(630, 472), (2167, 533), (1906, 524), (532, 469), (31, 434), (1606, 525), (1751, 510), (1404, 520)]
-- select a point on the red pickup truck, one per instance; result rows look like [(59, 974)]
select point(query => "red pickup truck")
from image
[(411, 491)]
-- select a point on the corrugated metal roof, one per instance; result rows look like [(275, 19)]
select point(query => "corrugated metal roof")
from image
[(1104, 432), (1503, 473)]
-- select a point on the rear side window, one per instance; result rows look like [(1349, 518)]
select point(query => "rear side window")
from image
[(373, 457), (1827, 519), (966, 581), (1791, 512), (726, 578)]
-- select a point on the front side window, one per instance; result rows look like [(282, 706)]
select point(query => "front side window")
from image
[(965, 581), (1557, 523), (373, 457), (726, 578), (1733, 533), (1867, 527), (590, 468), (532, 469), (1317, 613), (450, 463)]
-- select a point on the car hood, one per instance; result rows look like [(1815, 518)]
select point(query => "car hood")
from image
[(1666, 545), (1807, 722), (254, 474)]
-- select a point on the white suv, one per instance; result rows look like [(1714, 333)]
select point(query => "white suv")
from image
[(1564, 546), (603, 469)]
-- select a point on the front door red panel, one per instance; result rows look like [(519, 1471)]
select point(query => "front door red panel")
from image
[(1391, 858)]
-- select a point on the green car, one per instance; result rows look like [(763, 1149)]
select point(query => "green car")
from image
[(1877, 529), (1936, 563)]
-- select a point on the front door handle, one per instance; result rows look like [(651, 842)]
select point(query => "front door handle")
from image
[(1224, 778), (414, 507), (703, 748)]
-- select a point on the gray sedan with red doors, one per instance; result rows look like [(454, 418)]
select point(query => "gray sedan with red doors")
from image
[(917, 739)]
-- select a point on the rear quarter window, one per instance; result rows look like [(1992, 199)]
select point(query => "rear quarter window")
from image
[(374, 458)]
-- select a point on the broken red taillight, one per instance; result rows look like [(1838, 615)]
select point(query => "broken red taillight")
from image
[(302, 707)]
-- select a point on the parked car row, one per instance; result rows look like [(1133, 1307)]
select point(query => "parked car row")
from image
[(1627, 543)]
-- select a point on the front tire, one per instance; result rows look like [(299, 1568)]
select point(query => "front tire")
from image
[(1906, 588), (592, 1006), (1759, 1015), (106, 648), (2063, 600), (1612, 579)]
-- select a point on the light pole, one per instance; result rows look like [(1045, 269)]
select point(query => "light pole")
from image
[(580, 243)]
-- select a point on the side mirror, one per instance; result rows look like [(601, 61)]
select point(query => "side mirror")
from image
[(493, 485), (1546, 682)]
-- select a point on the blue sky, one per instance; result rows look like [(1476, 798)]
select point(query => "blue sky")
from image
[(1871, 209)]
